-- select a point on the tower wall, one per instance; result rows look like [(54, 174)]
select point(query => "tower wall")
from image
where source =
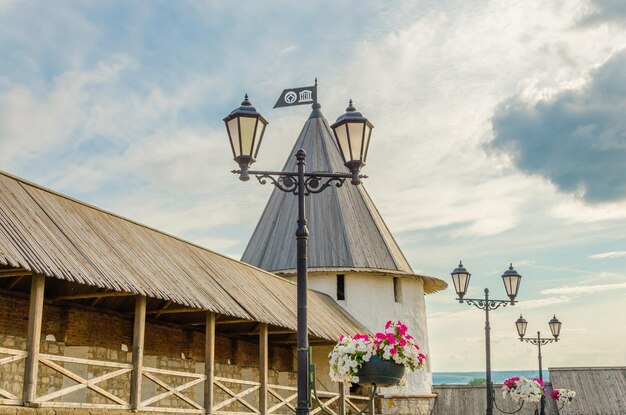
[(370, 298)]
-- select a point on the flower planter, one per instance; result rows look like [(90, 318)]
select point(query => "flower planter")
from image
[(380, 372)]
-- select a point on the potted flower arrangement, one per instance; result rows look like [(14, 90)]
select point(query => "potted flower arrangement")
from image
[(521, 389), (381, 359), (563, 396)]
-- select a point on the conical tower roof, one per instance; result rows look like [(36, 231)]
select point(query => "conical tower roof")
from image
[(346, 231)]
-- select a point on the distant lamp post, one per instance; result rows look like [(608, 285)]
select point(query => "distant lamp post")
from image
[(245, 128), (511, 280), (555, 328)]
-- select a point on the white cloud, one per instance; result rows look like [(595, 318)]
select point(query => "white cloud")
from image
[(584, 289), (612, 254), (544, 302), (33, 119)]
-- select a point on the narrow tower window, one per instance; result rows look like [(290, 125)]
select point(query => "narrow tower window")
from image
[(397, 290), (341, 287)]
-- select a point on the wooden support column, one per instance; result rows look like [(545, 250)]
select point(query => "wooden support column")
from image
[(35, 314), (263, 367), (342, 398), (209, 362), (139, 331)]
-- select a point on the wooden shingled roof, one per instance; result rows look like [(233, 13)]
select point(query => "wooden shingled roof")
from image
[(51, 234), (347, 233)]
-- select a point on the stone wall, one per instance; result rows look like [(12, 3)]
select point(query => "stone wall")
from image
[(406, 404)]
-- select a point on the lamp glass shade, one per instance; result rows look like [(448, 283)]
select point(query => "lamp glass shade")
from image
[(245, 127), (352, 132), (555, 327), (460, 279), (341, 134), (511, 281), (521, 325), (232, 126)]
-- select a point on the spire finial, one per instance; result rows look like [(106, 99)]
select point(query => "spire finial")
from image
[(246, 102), (316, 81), (350, 107), (510, 265)]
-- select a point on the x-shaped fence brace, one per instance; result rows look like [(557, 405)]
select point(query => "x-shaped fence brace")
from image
[(7, 397), (49, 360), (171, 390), (235, 397)]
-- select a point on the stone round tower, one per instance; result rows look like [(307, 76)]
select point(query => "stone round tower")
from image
[(353, 257)]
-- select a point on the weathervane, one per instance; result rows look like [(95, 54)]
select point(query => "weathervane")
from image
[(297, 96)]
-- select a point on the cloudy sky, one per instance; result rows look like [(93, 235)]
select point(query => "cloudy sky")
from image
[(500, 136)]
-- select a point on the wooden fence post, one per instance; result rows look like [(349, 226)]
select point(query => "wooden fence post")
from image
[(35, 314), (342, 398), (263, 368), (139, 331), (209, 362)]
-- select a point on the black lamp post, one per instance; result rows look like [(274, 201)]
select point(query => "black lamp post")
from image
[(352, 131), (555, 328), (511, 280)]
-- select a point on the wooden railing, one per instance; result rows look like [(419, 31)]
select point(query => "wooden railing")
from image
[(237, 397), (6, 397), (326, 400), (247, 388), (353, 400), (284, 400), (82, 383), (177, 391)]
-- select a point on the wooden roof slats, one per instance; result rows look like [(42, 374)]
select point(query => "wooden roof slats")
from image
[(599, 390), (48, 233), (346, 229)]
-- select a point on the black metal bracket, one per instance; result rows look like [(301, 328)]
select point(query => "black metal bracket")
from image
[(541, 341), (490, 304), (314, 182)]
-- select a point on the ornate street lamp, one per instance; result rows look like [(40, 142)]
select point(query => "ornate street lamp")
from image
[(352, 132), (511, 279), (555, 328), (245, 128), (461, 279)]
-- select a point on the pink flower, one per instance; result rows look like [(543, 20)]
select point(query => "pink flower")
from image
[(555, 394), (402, 342), (409, 337), (381, 336), (421, 357), (416, 346), (361, 336), (341, 338), (391, 339), (510, 382), (393, 350), (388, 325), (402, 329)]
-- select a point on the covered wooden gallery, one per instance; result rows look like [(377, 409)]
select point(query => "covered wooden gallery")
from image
[(97, 311)]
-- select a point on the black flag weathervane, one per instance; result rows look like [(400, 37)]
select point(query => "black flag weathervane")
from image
[(297, 96)]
